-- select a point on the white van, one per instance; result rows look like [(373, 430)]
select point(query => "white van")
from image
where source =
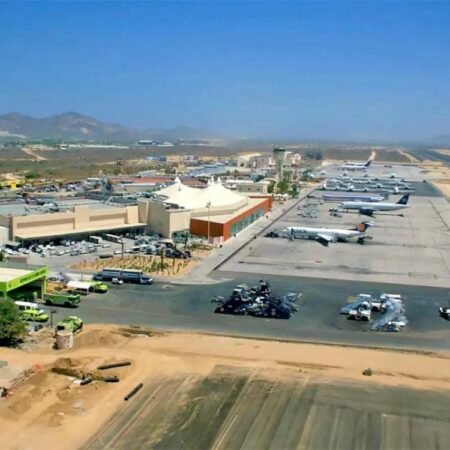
[(31, 311)]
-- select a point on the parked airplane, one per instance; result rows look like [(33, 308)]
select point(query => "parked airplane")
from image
[(353, 197), (326, 235), (355, 165), (368, 208)]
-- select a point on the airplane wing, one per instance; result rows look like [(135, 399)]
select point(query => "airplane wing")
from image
[(324, 239), (366, 212)]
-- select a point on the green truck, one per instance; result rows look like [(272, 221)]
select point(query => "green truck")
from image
[(70, 323), (99, 287), (62, 299)]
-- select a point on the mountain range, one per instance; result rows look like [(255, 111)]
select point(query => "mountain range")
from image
[(76, 126)]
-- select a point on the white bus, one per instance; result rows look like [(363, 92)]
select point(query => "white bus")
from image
[(127, 275), (96, 239), (113, 238)]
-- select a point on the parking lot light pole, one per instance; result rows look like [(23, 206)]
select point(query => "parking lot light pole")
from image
[(52, 311), (208, 205)]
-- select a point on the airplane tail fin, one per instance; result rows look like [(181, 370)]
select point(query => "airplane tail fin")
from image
[(362, 227), (403, 200), (371, 159)]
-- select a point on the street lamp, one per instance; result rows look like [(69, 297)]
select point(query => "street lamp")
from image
[(52, 311), (208, 205), (122, 243)]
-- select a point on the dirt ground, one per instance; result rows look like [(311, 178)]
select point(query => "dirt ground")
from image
[(52, 410), (410, 157), (443, 185), (149, 264)]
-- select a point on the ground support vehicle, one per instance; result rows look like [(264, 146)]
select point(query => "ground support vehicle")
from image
[(99, 287), (31, 312), (70, 323), (444, 312), (62, 299), (362, 312), (257, 301)]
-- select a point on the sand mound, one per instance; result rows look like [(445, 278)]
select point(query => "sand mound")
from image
[(77, 368), (99, 338)]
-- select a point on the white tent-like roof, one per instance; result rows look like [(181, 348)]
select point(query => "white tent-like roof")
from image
[(218, 195), (174, 188), (213, 196)]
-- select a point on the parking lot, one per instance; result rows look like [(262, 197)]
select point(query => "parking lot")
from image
[(60, 257), (413, 249)]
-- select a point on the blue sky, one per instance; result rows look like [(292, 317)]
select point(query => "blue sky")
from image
[(346, 70)]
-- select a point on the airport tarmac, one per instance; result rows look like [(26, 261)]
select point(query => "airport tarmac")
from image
[(245, 408), (413, 249), (188, 308), (409, 172)]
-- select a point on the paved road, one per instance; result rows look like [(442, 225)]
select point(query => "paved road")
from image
[(239, 409), (425, 153), (180, 307)]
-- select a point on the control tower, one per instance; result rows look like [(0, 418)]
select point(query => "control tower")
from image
[(278, 156)]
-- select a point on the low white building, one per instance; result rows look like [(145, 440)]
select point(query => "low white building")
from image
[(248, 186)]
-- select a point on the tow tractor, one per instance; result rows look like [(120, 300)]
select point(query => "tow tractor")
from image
[(362, 312), (444, 312)]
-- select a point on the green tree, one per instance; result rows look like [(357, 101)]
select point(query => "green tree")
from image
[(32, 175), (11, 325), (283, 187), (294, 191), (271, 187)]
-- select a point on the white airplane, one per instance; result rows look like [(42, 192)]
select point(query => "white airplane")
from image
[(368, 208), (355, 165), (326, 235)]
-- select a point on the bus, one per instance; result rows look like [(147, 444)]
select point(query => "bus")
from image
[(127, 275), (113, 238), (96, 239)]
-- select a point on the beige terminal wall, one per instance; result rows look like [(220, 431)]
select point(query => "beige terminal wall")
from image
[(85, 219), (82, 218), (162, 220)]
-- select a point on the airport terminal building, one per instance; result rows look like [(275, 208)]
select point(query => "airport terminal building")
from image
[(214, 211)]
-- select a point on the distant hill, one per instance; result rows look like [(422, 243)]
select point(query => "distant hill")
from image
[(76, 126)]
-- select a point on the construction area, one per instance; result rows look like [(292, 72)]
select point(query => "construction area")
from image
[(220, 392)]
